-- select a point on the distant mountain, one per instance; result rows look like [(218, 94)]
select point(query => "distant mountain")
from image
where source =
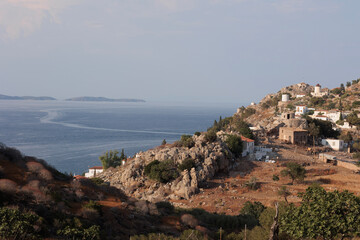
[(5, 97), (103, 99)]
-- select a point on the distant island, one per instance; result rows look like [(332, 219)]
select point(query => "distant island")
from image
[(103, 99), (5, 97)]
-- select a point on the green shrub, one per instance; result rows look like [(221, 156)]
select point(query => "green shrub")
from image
[(235, 144), (252, 184), (93, 205), (210, 136), (252, 209), (97, 181), (187, 141), (188, 164), (356, 155), (163, 172), (192, 234), (275, 178), (68, 232), (15, 224), (197, 133)]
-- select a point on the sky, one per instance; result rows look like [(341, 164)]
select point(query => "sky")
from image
[(176, 50)]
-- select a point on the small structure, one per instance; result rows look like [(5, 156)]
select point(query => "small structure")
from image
[(320, 117), (347, 125), (293, 135), (318, 93), (285, 98), (288, 115), (248, 146), (93, 171), (335, 144), (301, 110), (252, 104), (300, 95)]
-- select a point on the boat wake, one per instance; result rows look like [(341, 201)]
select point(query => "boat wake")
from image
[(52, 115)]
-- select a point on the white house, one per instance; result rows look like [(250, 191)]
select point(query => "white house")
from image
[(301, 110), (93, 171), (332, 116), (300, 95), (248, 146), (285, 98), (335, 144), (320, 117)]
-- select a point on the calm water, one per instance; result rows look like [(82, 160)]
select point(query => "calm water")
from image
[(72, 135)]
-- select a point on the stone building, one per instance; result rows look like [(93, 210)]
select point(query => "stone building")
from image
[(293, 135)]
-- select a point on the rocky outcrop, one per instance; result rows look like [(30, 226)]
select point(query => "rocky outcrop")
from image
[(210, 158)]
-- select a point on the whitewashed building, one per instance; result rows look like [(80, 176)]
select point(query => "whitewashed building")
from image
[(248, 146), (301, 110), (335, 144), (93, 171), (285, 98)]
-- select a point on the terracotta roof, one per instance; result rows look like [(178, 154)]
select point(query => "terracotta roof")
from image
[(96, 167), (246, 139), (79, 177), (318, 85)]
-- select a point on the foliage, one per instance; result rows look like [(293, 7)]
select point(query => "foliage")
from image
[(284, 192), (197, 133), (252, 184), (275, 178), (15, 224), (290, 106), (235, 144), (163, 142), (191, 234), (111, 158), (188, 164), (248, 112), (243, 128), (346, 137), (187, 141), (163, 172), (97, 181), (90, 233), (356, 104), (356, 155), (210, 136), (336, 91), (353, 119), (314, 131), (93, 205), (325, 128), (316, 102), (295, 171), (323, 215), (252, 209)]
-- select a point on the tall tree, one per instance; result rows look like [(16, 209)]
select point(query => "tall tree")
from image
[(295, 171), (314, 131)]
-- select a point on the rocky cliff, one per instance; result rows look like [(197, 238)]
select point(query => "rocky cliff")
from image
[(209, 158)]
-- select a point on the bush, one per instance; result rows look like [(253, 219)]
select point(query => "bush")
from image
[(252, 184), (15, 224), (163, 172), (197, 133), (295, 171), (69, 232), (235, 144), (275, 178), (97, 181), (210, 136), (187, 141), (252, 209), (188, 164), (93, 205)]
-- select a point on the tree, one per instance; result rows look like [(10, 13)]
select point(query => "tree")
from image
[(210, 136), (110, 159), (348, 84), (295, 171), (235, 144), (342, 87), (346, 137), (323, 215), (163, 142), (284, 192), (252, 209), (314, 131), (187, 141)]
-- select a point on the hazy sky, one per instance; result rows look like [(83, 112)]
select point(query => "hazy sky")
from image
[(204, 50)]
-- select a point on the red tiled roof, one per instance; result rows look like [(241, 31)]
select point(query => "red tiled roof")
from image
[(96, 167), (246, 139), (79, 177)]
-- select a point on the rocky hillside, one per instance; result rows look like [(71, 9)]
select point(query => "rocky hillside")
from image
[(209, 158)]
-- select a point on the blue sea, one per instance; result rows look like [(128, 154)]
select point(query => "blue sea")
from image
[(72, 135)]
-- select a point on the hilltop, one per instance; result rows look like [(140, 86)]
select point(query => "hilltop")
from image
[(5, 97)]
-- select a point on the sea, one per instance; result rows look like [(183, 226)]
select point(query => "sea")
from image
[(72, 135)]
